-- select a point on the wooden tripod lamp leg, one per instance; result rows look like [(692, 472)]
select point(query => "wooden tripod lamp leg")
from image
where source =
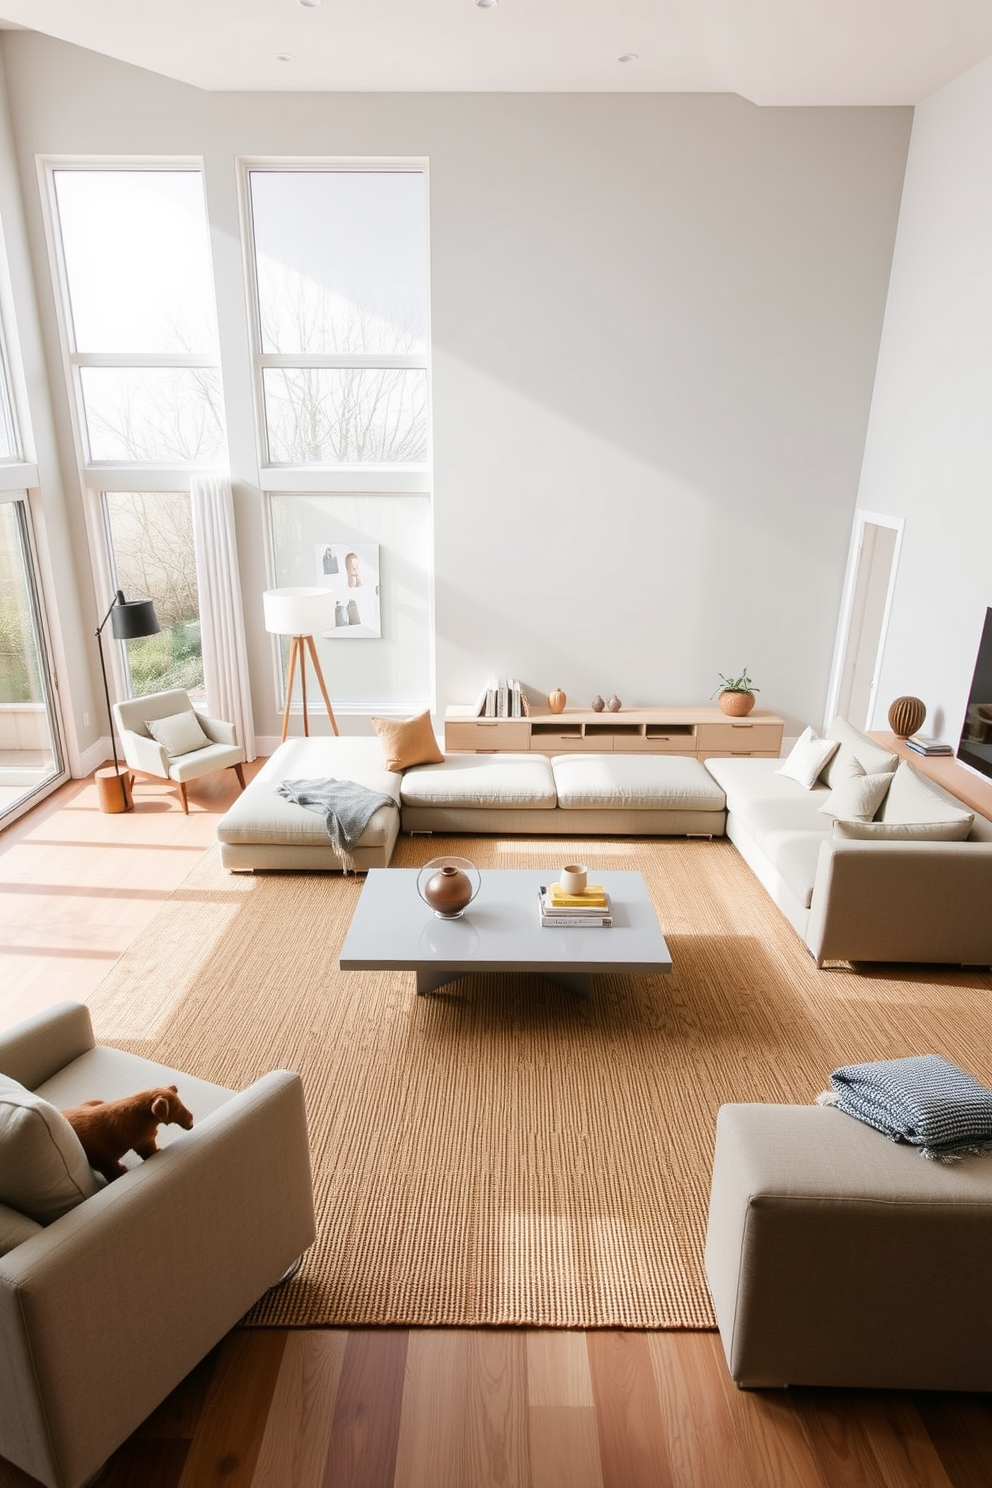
[(320, 678), (294, 651), (303, 685)]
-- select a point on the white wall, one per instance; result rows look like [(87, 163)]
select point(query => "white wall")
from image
[(928, 456), (655, 324)]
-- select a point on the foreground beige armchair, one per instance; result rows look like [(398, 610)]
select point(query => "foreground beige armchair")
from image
[(104, 1310), (148, 756)]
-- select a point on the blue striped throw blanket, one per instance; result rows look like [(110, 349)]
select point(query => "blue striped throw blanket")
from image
[(923, 1100), (345, 806)]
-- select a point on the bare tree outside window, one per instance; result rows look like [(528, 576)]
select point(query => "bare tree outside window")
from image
[(154, 558), (342, 315)]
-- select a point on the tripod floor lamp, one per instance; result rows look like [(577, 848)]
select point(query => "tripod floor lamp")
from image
[(130, 620), (300, 614)]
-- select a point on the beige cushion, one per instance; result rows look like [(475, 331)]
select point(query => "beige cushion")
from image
[(407, 742), (15, 1228), (873, 759), (180, 733), (43, 1168), (879, 831), (807, 758), (913, 799), (647, 782), (858, 796), (474, 780)]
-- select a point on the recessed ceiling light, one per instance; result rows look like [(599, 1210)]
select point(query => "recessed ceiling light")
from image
[(486, 4), (310, 4), (628, 57), (285, 57)]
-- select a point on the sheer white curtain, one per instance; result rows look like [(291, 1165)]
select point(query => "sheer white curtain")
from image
[(222, 621)]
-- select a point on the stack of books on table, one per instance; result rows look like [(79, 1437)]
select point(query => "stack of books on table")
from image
[(589, 909), (928, 744)]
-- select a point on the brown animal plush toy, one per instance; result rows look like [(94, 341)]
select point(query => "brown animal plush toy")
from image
[(108, 1129)]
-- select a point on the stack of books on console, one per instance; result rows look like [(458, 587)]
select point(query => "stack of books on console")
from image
[(587, 910), (502, 697), (928, 744)]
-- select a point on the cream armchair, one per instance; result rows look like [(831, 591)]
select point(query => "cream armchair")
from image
[(105, 1309), (147, 756)]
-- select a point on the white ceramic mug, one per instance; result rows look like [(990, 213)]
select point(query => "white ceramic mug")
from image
[(574, 877)]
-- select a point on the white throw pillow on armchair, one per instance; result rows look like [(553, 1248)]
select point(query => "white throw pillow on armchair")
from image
[(807, 758), (43, 1169)]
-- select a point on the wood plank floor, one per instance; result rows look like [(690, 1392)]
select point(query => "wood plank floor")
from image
[(451, 1408)]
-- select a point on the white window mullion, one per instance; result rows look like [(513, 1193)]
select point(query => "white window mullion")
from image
[(139, 359)]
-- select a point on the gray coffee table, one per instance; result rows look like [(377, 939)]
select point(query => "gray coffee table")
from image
[(394, 930)]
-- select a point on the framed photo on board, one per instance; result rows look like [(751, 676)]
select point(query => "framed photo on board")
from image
[(352, 576)]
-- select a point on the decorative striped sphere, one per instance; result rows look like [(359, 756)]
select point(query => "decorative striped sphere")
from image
[(906, 715)]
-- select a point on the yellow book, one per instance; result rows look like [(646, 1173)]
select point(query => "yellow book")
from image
[(595, 896)]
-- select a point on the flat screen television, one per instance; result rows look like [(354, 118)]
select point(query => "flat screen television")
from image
[(975, 748)]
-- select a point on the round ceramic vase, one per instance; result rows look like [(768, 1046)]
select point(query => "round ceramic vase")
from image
[(446, 886)]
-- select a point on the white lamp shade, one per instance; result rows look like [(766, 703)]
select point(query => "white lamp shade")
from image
[(298, 612)]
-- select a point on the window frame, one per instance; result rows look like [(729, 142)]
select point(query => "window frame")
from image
[(95, 472), (280, 477), (98, 477)]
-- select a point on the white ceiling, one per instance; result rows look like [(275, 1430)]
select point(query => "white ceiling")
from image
[(769, 51)]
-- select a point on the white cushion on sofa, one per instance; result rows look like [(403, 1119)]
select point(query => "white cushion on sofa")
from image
[(645, 782), (913, 799), (523, 781), (807, 758), (873, 759), (881, 831), (43, 1168), (858, 796)]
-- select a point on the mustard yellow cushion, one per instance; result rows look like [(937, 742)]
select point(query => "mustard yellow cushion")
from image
[(408, 741)]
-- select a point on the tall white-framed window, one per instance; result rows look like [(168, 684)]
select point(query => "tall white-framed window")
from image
[(32, 758), (338, 282), (338, 293), (131, 259)]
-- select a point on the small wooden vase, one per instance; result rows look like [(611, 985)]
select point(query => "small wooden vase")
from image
[(906, 715), (736, 704), (556, 701)]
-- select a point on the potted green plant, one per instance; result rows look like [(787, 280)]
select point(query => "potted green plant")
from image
[(736, 694)]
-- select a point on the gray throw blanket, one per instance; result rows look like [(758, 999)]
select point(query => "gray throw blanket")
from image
[(923, 1099), (345, 806)]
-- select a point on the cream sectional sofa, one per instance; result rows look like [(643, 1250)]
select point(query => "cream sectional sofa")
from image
[(577, 795), (862, 899)]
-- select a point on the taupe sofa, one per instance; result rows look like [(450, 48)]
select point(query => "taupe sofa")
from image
[(912, 901), (107, 1307)]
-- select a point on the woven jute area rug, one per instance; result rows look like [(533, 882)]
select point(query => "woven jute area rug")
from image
[(499, 1151)]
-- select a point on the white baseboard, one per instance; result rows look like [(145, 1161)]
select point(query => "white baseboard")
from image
[(91, 759)]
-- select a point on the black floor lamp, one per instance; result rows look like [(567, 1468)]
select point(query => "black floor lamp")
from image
[(131, 620)]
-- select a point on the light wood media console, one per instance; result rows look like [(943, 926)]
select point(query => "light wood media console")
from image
[(701, 733)]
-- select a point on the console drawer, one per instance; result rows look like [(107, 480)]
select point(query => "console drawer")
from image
[(484, 735), (739, 738)]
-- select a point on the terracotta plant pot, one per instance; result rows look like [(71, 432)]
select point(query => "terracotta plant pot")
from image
[(736, 704), (906, 715)]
